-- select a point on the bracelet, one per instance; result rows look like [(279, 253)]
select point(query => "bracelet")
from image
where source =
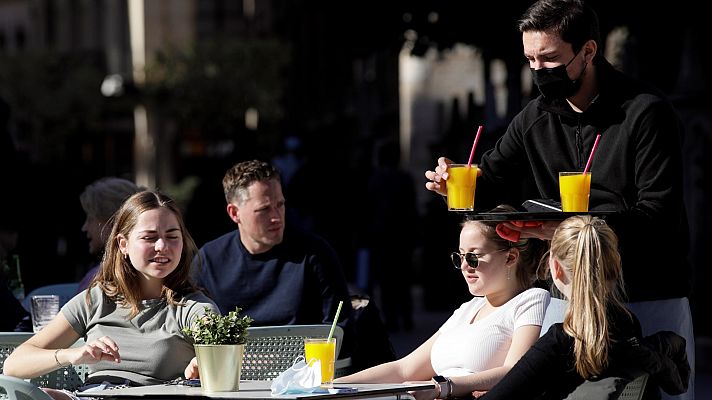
[(449, 389), (59, 364)]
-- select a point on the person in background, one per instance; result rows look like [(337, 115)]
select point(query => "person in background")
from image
[(599, 336), (483, 339), (636, 169), (100, 200), (276, 275), (141, 297)]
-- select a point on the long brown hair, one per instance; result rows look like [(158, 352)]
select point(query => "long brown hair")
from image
[(118, 279), (587, 248)]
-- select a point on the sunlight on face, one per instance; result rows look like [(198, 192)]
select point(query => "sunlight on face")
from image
[(262, 216), (490, 276), (155, 244)]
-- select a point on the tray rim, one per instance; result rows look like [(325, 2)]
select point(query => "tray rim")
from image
[(532, 216)]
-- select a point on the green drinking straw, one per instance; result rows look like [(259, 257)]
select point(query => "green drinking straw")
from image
[(336, 318)]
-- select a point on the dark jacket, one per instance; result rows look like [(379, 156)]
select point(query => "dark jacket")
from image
[(663, 356), (636, 171)]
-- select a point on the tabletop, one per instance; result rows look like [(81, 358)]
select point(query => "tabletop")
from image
[(257, 390)]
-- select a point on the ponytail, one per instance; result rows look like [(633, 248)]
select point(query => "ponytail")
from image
[(588, 249)]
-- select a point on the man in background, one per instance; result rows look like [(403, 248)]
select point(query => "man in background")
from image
[(276, 275)]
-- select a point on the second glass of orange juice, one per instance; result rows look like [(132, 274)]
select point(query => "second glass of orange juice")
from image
[(575, 189)]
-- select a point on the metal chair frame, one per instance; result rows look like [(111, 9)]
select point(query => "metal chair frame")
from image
[(18, 389), (635, 389), (554, 313), (273, 349), (70, 377)]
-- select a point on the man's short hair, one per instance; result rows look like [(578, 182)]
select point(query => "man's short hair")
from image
[(573, 20), (239, 178)]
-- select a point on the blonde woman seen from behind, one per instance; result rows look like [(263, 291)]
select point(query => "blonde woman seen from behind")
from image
[(481, 341)]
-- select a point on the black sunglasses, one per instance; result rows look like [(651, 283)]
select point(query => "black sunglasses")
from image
[(472, 259)]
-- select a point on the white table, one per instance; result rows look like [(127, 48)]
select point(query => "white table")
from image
[(259, 390)]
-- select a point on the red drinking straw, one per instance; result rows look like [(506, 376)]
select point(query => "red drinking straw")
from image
[(474, 144), (593, 150)]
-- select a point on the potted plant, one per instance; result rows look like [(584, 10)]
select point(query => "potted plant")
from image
[(219, 342)]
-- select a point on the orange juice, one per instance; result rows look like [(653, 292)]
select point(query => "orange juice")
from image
[(461, 187), (575, 188), (323, 351)]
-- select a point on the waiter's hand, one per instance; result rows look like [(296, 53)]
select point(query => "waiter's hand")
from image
[(438, 177), (515, 230)]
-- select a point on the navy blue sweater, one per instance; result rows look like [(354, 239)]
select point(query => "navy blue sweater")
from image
[(299, 281)]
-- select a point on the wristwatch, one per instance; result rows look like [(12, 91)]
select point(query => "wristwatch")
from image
[(445, 385)]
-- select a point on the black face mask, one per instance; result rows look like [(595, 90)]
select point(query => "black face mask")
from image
[(555, 82)]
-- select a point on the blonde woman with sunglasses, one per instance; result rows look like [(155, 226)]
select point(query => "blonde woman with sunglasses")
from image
[(486, 336)]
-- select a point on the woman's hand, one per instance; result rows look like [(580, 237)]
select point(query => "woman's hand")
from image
[(191, 371), (438, 177), (102, 349)]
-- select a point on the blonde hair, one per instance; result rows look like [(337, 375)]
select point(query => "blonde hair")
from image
[(118, 279), (587, 249)]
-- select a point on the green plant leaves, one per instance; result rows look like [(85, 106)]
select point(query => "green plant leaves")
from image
[(214, 329)]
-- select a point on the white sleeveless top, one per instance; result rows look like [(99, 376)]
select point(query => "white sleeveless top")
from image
[(463, 348)]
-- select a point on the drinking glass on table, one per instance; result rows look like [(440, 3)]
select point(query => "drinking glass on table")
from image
[(43, 308), (324, 350)]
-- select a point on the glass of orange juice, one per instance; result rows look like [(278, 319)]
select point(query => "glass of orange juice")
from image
[(325, 351), (575, 189), (461, 187)]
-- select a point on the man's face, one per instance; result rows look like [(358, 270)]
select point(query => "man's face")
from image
[(95, 233), (260, 217), (546, 50)]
